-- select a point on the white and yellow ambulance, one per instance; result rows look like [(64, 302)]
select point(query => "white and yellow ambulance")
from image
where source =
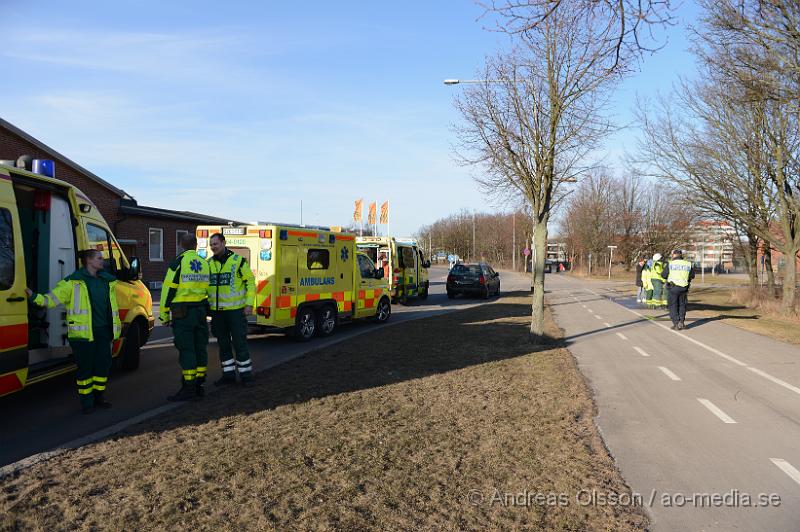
[(44, 223), (308, 279), (405, 268)]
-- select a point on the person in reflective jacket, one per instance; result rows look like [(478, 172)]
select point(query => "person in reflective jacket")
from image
[(678, 274), (93, 323), (184, 300), (231, 293)]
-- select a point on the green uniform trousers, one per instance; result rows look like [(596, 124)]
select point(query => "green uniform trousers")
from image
[(94, 362), (190, 334), (230, 328), (659, 292)]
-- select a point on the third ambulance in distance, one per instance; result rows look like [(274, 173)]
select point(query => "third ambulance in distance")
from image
[(405, 269)]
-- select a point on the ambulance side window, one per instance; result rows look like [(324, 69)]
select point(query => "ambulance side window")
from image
[(366, 266), (407, 256), (101, 240), (318, 259), (6, 250)]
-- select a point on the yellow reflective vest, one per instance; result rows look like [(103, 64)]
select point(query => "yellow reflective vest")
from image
[(647, 282), (679, 272), (232, 284), (186, 282), (73, 293)]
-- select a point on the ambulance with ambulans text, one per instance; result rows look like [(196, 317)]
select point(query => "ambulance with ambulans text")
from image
[(405, 268), (308, 279), (44, 224)]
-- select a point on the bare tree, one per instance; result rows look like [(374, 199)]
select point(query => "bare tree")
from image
[(731, 139)]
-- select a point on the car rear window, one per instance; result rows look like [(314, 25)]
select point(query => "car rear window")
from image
[(461, 269)]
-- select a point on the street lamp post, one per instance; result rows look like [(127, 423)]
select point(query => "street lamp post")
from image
[(610, 258)]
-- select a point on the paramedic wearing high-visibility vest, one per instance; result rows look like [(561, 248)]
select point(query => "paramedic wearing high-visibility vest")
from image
[(679, 274), (659, 286), (92, 324), (184, 297), (231, 294)]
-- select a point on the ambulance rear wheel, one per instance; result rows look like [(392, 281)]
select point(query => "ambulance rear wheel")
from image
[(305, 325), (384, 310), (326, 321)]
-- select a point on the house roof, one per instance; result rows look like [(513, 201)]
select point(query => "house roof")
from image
[(129, 206), (66, 160)]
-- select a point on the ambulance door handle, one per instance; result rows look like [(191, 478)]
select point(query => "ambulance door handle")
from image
[(15, 299), (288, 280)]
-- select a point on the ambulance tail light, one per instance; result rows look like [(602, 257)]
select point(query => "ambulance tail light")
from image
[(263, 311), (265, 233), (202, 233), (397, 270), (482, 280)]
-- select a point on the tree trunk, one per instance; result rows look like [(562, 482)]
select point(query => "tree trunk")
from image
[(540, 254), (789, 281), (770, 271), (751, 258)]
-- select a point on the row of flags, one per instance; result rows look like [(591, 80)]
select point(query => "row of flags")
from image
[(371, 214)]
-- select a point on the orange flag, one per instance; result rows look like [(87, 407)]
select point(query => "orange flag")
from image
[(371, 215), (357, 212), (385, 212)]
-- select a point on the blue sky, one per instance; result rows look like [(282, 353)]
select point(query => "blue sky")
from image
[(242, 109)]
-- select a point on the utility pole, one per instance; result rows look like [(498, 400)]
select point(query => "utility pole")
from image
[(610, 258)]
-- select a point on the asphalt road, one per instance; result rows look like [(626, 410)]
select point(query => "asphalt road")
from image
[(700, 419), (46, 416)]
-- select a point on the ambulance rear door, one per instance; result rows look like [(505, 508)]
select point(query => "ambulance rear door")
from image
[(13, 301)]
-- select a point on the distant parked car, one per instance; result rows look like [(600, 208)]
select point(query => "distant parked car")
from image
[(476, 279)]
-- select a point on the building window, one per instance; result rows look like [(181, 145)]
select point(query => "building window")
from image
[(156, 244), (178, 235)]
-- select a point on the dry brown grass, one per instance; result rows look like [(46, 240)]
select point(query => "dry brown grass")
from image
[(395, 429), (757, 312)]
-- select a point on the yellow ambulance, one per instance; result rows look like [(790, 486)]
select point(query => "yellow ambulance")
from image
[(308, 279), (405, 268), (44, 223)]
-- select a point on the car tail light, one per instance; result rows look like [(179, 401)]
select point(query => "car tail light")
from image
[(397, 270), (482, 279), (450, 278), (263, 311)]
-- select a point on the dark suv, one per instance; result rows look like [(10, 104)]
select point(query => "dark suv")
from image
[(477, 279)]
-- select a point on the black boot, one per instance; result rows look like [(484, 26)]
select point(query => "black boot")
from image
[(99, 402), (247, 379), (228, 377), (186, 393)]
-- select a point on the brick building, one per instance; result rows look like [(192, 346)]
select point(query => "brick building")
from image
[(149, 233)]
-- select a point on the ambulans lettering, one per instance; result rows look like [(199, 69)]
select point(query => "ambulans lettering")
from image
[(316, 281)]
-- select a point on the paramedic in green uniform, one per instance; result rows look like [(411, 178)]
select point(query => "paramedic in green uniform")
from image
[(93, 323), (184, 301)]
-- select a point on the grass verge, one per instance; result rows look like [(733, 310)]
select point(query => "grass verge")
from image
[(439, 423)]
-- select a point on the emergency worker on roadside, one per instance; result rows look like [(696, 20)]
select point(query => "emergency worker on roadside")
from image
[(231, 293), (184, 301), (93, 323), (647, 282), (679, 274), (659, 290)]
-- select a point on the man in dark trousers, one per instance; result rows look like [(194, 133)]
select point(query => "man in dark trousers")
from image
[(184, 297), (678, 274)]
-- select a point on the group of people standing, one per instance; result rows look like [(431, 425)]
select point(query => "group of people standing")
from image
[(222, 286), (663, 284)]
